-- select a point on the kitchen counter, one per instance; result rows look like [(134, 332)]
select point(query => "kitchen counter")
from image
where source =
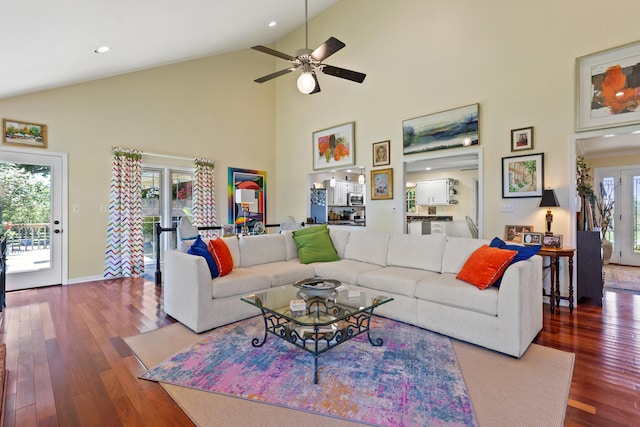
[(428, 218), (357, 223)]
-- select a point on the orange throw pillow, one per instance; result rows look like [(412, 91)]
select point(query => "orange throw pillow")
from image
[(485, 266), (221, 256)]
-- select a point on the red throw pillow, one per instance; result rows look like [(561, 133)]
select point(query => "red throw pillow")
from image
[(221, 256), (485, 266)]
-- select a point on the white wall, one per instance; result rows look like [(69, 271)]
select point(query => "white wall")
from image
[(516, 59), (206, 108)]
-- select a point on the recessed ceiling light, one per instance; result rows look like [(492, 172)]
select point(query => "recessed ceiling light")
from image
[(427, 169), (102, 49), (609, 135), (272, 24), (635, 132)]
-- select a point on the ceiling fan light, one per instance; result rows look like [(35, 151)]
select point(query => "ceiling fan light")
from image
[(306, 83)]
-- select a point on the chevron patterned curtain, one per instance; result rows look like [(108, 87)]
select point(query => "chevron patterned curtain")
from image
[(125, 244), (204, 198)]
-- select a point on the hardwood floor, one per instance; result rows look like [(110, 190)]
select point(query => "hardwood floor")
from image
[(68, 364)]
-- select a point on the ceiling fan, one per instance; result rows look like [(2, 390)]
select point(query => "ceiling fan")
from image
[(309, 62)]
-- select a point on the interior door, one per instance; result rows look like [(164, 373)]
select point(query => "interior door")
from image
[(628, 217), (31, 186)]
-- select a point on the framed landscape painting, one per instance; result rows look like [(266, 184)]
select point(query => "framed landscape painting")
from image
[(334, 147), (608, 88), (15, 132), (447, 129), (523, 176)]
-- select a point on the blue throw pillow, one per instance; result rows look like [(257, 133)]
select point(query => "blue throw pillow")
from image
[(524, 252), (200, 248)]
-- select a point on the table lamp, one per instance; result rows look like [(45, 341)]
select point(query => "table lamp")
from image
[(549, 200), (245, 197)]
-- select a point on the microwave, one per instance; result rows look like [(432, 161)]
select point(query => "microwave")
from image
[(355, 199)]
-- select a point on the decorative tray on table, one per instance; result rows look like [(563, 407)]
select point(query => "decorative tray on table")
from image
[(317, 286)]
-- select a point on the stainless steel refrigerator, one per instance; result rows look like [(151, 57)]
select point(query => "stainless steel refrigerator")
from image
[(319, 208)]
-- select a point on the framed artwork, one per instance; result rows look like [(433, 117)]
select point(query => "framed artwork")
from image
[(447, 129), (247, 179), (381, 153), (523, 176), (522, 139), (381, 184), (608, 88), (529, 238), (514, 233), (554, 241), (15, 132), (334, 147)]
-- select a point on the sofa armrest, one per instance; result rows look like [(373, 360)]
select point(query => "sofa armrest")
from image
[(520, 301), (186, 288)]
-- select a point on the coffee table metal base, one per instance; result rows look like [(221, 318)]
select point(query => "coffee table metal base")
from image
[(317, 339)]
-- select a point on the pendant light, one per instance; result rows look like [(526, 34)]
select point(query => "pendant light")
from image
[(361, 179), (332, 182)]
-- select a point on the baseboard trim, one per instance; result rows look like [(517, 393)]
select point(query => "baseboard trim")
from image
[(84, 279)]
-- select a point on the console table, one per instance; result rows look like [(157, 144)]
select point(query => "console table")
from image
[(555, 254)]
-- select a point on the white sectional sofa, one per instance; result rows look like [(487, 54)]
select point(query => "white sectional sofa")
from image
[(418, 271)]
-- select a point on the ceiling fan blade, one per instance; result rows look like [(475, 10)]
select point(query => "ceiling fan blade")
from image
[(343, 73), (270, 51), (274, 75), (317, 88), (327, 49)]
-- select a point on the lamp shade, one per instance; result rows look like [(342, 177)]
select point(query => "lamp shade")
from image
[(549, 199), (245, 196)]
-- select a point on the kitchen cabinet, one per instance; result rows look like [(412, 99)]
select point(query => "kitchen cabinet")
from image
[(434, 192), (337, 196)]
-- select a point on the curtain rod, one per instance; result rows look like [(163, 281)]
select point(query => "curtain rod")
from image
[(167, 156)]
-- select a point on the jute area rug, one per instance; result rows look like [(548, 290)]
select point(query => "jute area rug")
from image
[(504, 391)]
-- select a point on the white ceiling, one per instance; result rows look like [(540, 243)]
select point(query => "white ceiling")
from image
[(616, 142), (47, 44)]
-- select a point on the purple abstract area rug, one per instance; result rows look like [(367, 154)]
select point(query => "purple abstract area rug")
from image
[(413, 379)]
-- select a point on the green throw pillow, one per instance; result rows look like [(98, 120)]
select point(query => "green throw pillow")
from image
[(310, 230), (315, 247)]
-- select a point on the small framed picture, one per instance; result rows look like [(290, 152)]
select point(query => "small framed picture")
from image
[(529, 238), (513, 233), (15, 132), (522, 139), (381, 154), (381, 184), (554, 241)]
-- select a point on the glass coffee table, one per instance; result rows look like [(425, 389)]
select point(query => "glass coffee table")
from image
[(324, 315)]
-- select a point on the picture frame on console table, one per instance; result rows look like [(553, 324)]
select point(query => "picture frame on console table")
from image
[(334, 147), (381, 184), (531, 238), (514, 233), (608, 84), (554, 241)]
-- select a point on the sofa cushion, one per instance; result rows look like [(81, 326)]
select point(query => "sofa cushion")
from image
[(397, 280), (339, 239), (239, 282), (524, 252), (368, 246), (284, 272), (290, 245), (485, 266), (261, 249), (345, 270), (457, 251), (221, 256), (447, 290), (315, 247), (199, 248), (423, 252)]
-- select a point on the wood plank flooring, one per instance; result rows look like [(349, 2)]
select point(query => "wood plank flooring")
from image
[(68, 364)]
